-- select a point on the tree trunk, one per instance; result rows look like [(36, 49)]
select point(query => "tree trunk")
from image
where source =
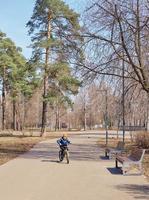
[(147, 124), (45, 103), (84, 118), (14, 116), (24, 112), (57, 121), (58, 117), (44, 114), (4, 100), (84, 113), (17, 125)]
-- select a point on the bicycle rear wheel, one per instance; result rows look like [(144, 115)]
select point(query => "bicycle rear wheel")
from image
[(67, 156)]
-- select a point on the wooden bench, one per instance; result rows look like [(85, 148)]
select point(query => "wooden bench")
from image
[(133, 160), (118, 150)]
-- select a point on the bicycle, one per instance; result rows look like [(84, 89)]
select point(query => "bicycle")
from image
[(64, 153)]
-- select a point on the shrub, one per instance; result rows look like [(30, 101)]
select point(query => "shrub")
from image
[(142, 140)]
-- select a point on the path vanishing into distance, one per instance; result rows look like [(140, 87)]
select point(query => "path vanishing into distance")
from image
[(37, 175)]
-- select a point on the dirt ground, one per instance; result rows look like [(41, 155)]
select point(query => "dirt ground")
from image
[(12, 145)]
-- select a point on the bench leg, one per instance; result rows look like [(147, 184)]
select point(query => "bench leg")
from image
[(140, 169), (116, 163), (124, 170), (127, 167), (106, 154), (110, 155)]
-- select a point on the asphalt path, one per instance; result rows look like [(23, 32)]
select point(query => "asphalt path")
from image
[(37, 175)]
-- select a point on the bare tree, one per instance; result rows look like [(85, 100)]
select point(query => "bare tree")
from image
[(115, 31)]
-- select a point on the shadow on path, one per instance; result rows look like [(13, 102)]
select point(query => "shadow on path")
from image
[(52, 161), (81, 152), (104, 158), (115, 171), (137, 191)]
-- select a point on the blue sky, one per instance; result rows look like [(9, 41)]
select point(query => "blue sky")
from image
[(14, 14)]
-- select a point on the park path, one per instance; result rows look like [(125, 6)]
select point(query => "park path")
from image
[(37, 175)]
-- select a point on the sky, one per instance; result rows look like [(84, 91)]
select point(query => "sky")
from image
[(14, 14)]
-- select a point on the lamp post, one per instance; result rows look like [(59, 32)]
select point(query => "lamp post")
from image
[(106, 113), (84, 112), (106, 118), (123, 96)]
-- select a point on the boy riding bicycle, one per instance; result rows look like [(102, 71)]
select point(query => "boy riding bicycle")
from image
[(63, 144), (63, 141)]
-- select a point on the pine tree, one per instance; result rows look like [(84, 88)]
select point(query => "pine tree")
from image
[(22, 82), (62, 86), (55, 31), (18, 77), (6, 63)]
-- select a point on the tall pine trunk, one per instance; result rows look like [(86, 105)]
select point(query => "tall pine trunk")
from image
[(147, 120), (4, 100), (57, 121), (24, 113), (45, 86), (14, 116)]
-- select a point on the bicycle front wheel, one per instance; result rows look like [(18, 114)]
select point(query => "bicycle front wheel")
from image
[(60, 156)]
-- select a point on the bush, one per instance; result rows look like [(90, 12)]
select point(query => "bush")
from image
[(142, 140)]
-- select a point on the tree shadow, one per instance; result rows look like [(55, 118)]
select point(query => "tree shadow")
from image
[(11, 151), (137, 191), (51, 161), (78, 152)]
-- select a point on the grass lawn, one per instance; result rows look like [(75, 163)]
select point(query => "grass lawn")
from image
[(12, 146), (128, 146)]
